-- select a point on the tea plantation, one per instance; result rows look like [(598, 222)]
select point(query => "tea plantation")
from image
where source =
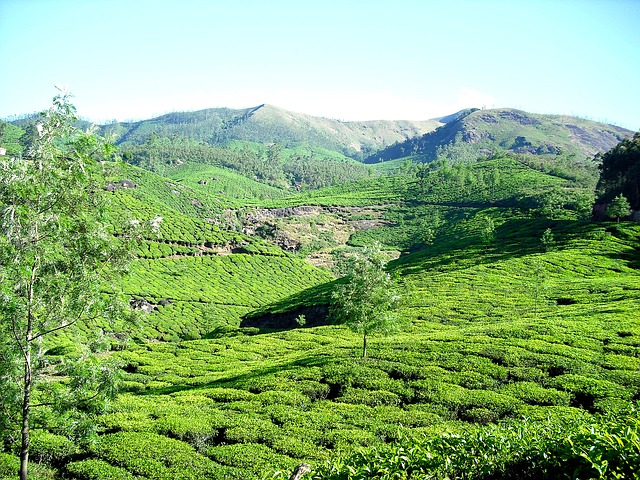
[(518, 354)]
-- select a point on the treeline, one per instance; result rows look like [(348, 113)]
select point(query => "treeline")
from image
[(272, 165)]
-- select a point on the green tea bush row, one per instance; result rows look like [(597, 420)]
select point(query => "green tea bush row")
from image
[(588, 448)]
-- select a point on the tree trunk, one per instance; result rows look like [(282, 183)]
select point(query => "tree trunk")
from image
[(28, 380), (364, 345), (26, 407)]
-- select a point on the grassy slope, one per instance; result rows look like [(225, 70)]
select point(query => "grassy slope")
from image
[(492, 331), (495, 333), (221, 182)]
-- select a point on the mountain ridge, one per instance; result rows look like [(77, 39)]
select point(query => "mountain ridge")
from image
[(479, 132), (266, 123)]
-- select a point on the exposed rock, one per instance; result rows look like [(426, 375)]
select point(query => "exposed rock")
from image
[(196, 203), (472, 136), (142, 304), (113, 186), (202, 182), (125, 183), (262, 214), (519, 117), (488, 118)]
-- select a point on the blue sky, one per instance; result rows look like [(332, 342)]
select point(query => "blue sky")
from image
[(345, 59)]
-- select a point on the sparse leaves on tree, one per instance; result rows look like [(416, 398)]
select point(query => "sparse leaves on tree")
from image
[(547, 240), (56, 253), (367, 301)]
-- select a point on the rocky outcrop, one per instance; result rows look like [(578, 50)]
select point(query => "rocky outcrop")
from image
[(262, 214)]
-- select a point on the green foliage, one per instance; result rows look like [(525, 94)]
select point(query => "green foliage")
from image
[(618, 208), (587, 448), (547, 240), (620, 172), (272, 165), (221, 382), (10, 136), (55, 254), (93, 469), (367, 301), (564, 143)]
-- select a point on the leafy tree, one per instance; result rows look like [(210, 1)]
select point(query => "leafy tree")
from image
[(619, 207), (547, 240), (422, 173), (620, 172), (56, 252), (367, 301), (29, 137), (487, 229)]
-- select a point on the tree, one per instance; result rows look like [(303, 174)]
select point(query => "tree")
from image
[(422, 174), (367, 301), (56, 253), (487, 230), (620, 172), (619, 207), (547, 240)]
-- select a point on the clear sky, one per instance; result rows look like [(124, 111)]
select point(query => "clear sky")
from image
[(345, 59)]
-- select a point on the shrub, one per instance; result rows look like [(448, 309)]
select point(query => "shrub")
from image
[(602, 448), (533, 393), (50, 448), (250, 457), (372, 398), (94, 469)]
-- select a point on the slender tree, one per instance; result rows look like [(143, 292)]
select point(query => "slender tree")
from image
[(367, 301), (56, 252)]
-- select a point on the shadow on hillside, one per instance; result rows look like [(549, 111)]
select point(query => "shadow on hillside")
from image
[(308, 308), (246, 380), (514, 238)]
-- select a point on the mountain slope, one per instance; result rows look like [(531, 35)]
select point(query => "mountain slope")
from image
[(266, 124), (477, 132)]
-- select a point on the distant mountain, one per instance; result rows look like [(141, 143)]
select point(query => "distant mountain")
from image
[(475, 132), (267, 124)]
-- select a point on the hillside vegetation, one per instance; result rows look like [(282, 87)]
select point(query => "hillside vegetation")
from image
[(518, 352), (269, 124), (474, 133)]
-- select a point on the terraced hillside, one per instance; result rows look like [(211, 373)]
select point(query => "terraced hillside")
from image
[(515, 306)]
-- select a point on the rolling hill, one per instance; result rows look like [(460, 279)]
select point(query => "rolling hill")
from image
[(473, 133), (269, 124), (519, 337)]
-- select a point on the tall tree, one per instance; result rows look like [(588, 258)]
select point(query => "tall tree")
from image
[(56, 252), (367, 302), (620, 172)]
